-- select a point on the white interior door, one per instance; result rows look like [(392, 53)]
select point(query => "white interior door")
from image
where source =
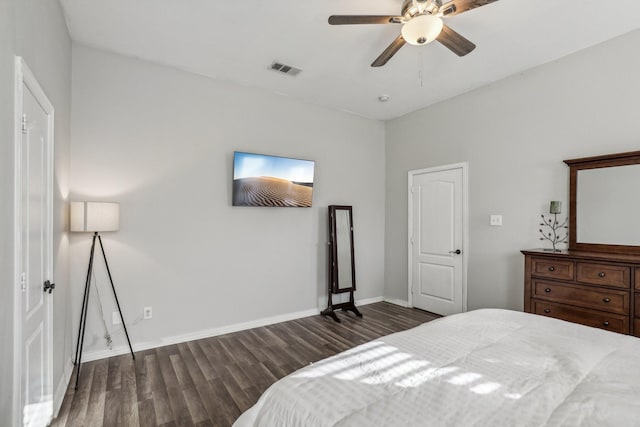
[(437, 253), (34, 249)]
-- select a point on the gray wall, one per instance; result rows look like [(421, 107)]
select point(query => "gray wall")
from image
[(514, 134), (35, 30), (6, 213), (161, 142)]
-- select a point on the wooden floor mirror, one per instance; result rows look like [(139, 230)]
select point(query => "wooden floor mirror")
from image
[(341, 262)]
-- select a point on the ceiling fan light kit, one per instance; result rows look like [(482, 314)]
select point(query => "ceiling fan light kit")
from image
[(421, 24), (422, 29)]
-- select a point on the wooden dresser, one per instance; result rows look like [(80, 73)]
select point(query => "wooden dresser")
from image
[(592, 288)]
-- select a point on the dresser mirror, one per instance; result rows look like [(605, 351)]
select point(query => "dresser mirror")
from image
[(604, 203)]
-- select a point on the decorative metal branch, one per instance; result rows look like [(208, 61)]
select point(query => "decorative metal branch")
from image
[(553, 235)]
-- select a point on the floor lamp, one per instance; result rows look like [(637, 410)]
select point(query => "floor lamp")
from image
[(94, 217)]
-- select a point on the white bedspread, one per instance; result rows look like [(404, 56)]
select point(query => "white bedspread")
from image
[(482, 368)]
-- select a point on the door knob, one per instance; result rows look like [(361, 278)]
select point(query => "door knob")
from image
[(48, 286), (457, 252)]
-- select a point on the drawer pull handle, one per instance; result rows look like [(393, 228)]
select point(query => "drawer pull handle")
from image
[(605, 323), (607, 300), (547, 290), (552, 268), (546, 310), (601, 274)]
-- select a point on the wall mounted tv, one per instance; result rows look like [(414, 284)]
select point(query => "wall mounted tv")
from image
[(260, 180)]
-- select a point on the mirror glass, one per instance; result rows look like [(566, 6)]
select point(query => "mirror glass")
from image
[(343, 248), (607, 205)]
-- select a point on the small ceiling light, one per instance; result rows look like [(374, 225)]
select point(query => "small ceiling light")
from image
[(383, 98), (422, 29)]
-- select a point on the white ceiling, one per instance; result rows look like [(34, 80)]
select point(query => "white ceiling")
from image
[(236, 41)]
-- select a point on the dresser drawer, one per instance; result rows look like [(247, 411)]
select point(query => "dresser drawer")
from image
[(604, 274), (584, 296), (637, 279), (584, 316), (553, 269), (637, 304)]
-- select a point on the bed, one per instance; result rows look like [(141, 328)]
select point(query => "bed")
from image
[(482, 368)]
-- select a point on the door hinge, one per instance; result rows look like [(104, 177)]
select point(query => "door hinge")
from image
[(24, 123), (23, 282)]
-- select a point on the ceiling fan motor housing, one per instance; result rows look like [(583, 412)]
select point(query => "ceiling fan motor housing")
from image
[(411, 8)]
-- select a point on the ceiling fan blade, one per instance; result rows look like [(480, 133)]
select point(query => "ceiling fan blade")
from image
[(389, 52), (455, 42), (363, 19), (456, 7)]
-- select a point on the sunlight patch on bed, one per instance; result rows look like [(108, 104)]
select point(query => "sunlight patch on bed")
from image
[(355, 358), (421, 377), (514, 396), (395, 371), (464, 379), (373, 367), (485, 388), (376, 363)]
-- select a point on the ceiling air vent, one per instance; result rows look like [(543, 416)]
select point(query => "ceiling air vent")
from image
[(286, 69)]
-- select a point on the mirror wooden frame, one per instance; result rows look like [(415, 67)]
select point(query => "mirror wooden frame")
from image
[(332, 262), (606, 161), (333, 247)]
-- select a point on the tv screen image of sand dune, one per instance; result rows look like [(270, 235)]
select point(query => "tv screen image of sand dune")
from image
[(260, 180)]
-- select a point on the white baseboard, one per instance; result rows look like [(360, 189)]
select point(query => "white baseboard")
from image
[(367, 301), (401, 303), (58, 397), (207, 333)]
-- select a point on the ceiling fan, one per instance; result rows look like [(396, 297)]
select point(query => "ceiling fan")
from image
[(421, 24)]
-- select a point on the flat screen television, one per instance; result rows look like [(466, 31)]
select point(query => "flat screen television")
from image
[(261, 180)]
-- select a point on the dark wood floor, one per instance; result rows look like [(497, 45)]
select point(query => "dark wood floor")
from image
[(210, 382)]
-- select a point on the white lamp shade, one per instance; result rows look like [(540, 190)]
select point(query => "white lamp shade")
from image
[(422, 29), (95, 216)]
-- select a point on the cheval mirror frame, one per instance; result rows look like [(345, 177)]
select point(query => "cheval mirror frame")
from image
[(340, 232), (606, 161)]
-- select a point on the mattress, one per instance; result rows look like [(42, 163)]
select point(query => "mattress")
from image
[(482, 368)]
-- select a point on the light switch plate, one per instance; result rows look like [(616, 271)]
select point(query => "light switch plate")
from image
[(495, 220)]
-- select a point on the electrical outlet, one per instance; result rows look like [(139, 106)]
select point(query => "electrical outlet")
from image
[(148, 312), (495, 220), (115, 318)]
